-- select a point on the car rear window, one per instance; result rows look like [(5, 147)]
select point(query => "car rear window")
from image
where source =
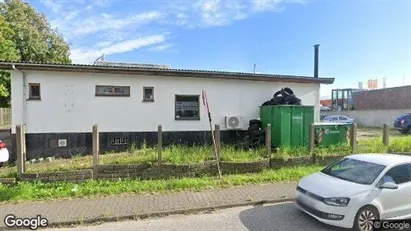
[(403, 116)]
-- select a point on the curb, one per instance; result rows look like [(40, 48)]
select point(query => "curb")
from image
[(164, 213)]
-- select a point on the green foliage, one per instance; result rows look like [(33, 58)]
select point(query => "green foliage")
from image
[(33, 36), (26, 35), (8, 49)]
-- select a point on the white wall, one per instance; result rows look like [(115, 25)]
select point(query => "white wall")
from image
[(68, 102), (371, 118)]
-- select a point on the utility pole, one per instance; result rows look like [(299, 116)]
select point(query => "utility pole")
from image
[(254, 67)]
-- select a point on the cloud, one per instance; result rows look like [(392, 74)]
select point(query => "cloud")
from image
[(104, 44), (272, 5), (107, 22), (52, 4), (208, 13), (93, 27), (161, 47), (81, 55)]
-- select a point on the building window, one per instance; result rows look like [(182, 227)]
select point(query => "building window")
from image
[(34, 91), (148, 94), (187, 107), (103, 90)]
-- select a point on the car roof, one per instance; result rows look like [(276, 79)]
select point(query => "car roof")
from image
[(382, 159)]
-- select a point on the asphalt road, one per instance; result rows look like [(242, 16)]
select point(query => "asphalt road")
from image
[(279, 217)]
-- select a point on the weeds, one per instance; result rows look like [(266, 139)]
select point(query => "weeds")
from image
[(44, 191), (197, 154)]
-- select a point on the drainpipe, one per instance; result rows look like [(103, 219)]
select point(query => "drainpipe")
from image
[(24, 93)]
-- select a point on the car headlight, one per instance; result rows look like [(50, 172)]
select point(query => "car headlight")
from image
[(337, 201)]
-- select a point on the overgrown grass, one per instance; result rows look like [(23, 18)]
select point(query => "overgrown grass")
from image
[(370, 145), (374, 132), (183, 155), (199, 154), (45, 191)]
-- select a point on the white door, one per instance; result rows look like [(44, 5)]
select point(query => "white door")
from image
[(396, 203)]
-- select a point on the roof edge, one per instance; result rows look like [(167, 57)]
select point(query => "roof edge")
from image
[(30, 66)]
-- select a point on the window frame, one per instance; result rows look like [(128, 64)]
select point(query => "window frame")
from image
[(388, 170), (342, 118), (186, 118), (31, 97), (112, 94), (144, 94)]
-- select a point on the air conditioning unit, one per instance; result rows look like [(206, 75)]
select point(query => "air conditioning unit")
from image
[(234, 122)]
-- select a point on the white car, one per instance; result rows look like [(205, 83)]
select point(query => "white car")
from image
[(354, 191), (338, 119), (4, 153)]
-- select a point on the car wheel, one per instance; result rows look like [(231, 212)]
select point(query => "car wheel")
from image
[(365, 218)]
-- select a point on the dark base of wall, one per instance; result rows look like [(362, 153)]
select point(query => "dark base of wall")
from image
[(46, 144)]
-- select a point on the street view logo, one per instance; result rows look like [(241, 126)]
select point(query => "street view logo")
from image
[(12, 221)]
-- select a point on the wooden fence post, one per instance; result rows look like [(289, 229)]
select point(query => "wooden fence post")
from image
[(386, 135), (311, 142), (353, 137), (268, 140), (218, 141), (160, 145), (21, 148), (23, 132), (96, 150)]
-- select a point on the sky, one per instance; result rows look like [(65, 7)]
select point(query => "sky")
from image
[(359, 40)]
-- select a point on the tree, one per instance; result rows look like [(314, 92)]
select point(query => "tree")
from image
[(9, 52), (8, 49), (28, 37), (35, 40)]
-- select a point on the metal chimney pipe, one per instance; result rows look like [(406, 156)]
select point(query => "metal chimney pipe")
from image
[(316, 47)]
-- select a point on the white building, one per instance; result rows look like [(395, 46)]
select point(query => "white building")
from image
[(62, 102)]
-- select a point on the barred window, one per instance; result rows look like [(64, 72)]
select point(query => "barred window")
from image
[(187, 107), (104, 90)]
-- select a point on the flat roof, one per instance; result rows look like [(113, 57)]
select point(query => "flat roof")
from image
[(35, 66)]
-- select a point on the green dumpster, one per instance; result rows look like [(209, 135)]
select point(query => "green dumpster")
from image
[(327, 134), (289, 123)]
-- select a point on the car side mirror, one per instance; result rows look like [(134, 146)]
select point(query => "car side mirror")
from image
[(388, 185)]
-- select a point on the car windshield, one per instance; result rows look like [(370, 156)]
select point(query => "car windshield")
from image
[(353, 170)]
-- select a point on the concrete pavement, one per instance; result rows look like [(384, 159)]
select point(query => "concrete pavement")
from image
[(130, 206), (278, 217)]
